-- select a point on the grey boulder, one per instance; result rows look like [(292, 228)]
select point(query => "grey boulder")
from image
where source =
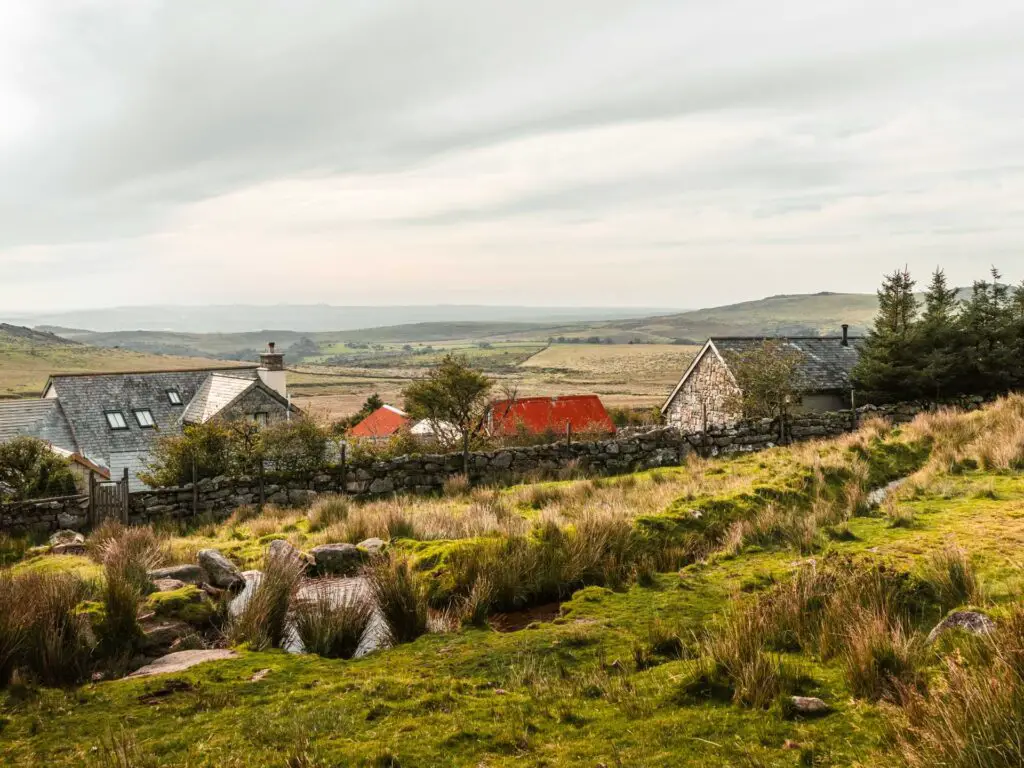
[(337, 559), (972, 622), (190, 574), (222, 572), (372, 545), (282, 548), (807, 706), (65, 537)]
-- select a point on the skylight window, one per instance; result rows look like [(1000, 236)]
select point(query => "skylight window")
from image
[(145, 418), (173, 397), (116, 420)]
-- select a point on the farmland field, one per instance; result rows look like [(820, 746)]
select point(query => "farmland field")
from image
[(624, 375)]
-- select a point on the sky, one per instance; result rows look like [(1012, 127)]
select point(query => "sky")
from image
[(669, 153)]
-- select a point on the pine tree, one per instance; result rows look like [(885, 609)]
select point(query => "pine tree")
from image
[(890, 365), (989, 338), (938, 337)]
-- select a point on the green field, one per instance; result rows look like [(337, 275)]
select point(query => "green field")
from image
[(630, 668)]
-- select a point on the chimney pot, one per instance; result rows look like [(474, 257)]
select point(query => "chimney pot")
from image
[(270, 346), (846, 335)]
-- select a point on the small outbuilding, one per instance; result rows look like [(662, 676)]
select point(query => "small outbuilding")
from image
[(538, 415), (705, 396), (382, 424)]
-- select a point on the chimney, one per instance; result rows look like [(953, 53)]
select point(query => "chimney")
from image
[(846, 335), (271, 370)]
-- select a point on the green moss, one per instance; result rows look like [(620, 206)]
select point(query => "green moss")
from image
[(189, 604), (79, 565)]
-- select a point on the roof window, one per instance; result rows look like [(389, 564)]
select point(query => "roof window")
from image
[(116, 420), (173, 397), (145, 418)]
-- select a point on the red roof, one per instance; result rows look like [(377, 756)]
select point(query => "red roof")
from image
[(585, 413), (384, 422)]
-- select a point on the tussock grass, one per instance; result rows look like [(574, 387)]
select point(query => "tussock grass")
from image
[(327, 511), (882, 659), (951, 574), (57, 641), (398, 592), (332, 625), (973, 719), (263, 622), (13, 627)]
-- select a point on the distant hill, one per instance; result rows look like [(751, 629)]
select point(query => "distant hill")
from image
[(806, 314), (308, 318), (28, 356)]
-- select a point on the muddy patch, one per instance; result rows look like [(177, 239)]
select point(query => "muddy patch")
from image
[(519, 620)]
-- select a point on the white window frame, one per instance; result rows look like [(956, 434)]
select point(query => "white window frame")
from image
[(116, 420), (174, 397), (144, 423)]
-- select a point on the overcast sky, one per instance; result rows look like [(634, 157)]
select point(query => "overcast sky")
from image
[(563, 152)]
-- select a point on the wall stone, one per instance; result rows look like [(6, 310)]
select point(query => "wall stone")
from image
[(703, 401), (44, 515), (659, 447)]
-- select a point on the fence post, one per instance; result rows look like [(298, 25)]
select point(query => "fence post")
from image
[(568, 434), (195, 490), (262, 497), (92, 499), (344, 467), (124, 497)]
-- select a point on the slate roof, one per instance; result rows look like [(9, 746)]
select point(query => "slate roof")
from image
[(86, 398), (218, 391), (44, 419), (826, 366)]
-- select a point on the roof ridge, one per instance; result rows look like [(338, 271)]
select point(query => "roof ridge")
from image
[(214, 369)]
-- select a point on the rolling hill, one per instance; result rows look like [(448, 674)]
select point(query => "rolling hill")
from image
[(28, 356)]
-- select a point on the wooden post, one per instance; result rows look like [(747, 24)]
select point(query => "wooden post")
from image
[(853, 407), (568, 434), (344, 467), (195, 489), (262, 497), (124, 497), (92, 499)]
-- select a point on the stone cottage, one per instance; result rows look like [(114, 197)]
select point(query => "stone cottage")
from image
[(705, 396), (112, 420)]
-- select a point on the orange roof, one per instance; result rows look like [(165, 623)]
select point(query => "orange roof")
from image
[(541, 414), (384, 422)]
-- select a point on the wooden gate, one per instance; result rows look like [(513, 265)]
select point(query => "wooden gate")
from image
[(108, 499)]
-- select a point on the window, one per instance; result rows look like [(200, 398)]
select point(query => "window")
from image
[(145, 418), (173, 397), (116, 420), (261, 418)]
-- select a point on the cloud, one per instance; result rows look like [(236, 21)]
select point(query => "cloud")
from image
[(655, 152)]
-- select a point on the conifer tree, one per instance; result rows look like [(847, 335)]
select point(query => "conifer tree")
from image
[(890, 367), (938, 338), (987, 330)]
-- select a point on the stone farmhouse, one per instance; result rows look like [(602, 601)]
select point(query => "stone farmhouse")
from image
[(110, 421), (705, 396)]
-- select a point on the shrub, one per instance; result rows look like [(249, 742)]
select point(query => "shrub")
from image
[(202, 450), (263, 622), (296, 446), (333, 624), (57, 636), (951, 574), (399, 595), (30, 470)]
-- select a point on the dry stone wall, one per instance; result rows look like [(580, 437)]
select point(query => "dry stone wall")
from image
[(661, 447)]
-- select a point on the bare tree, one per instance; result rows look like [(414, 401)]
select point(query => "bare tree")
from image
[(767, 380)]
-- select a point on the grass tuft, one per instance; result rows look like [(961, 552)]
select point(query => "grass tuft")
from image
[(332, 624)]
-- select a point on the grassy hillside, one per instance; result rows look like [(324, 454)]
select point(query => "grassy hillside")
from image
[(658, 619), (28, 357)]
